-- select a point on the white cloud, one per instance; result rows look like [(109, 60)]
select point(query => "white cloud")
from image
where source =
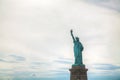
[(39, 31), (110, 4)]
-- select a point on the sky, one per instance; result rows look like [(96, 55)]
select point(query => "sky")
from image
[(35, 41)]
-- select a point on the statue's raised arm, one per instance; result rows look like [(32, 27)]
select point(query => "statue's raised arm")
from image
[(71, 31)]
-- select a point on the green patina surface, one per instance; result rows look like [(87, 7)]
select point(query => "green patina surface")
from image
[(78, 48)]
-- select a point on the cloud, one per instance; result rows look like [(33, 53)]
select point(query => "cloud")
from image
[(63, 61), (18, 58), (2, 60), (111, 4), (37, 32), (12, 59), (38, 65), (110, 67)]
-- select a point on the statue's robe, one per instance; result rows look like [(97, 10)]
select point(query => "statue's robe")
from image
[(78, 48)]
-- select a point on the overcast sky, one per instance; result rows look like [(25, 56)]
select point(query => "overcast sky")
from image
[(35, 41)]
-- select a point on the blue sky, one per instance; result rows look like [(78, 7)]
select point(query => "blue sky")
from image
[(35, 41)]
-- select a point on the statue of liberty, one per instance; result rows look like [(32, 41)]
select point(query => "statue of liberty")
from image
[(78, 48)]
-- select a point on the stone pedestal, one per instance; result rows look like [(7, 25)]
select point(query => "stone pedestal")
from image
[(78, 73)]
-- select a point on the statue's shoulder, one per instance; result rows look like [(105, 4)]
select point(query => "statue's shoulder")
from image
[(74, 41)]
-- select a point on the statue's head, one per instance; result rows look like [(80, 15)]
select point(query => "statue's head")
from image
[(77, 38)]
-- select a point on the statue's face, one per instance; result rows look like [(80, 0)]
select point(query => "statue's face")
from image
[(77, 38)]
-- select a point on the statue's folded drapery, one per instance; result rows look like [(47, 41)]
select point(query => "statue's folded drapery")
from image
[(78, 48)]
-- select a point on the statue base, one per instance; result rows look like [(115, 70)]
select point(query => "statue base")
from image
[(78, 72)]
